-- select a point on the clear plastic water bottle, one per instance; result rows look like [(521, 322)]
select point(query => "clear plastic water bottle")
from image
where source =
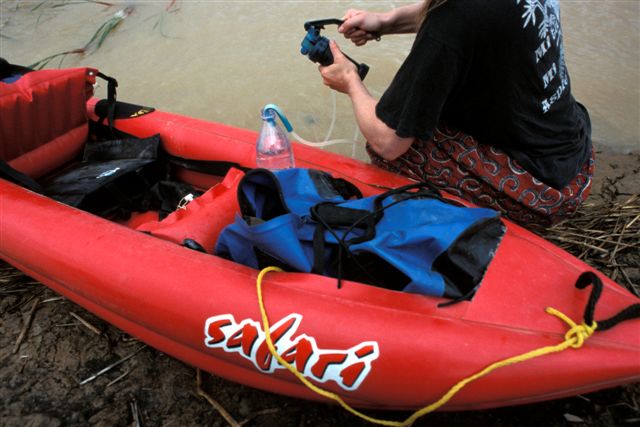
[(273, 149)]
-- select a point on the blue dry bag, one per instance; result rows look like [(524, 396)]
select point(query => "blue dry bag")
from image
[(406, 239)]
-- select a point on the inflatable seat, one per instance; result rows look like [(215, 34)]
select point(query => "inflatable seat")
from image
[(43, 118)]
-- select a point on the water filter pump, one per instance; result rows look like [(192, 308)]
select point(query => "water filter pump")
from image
[(316, 47)]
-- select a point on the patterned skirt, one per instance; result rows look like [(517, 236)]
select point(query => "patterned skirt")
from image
[(486, 176)]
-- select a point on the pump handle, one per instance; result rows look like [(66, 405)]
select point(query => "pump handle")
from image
[(320, 23), (363, 68)]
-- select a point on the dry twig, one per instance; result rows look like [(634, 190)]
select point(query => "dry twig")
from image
[(218, 407), (53, 299), (25, 327), (85, 323), (137, 418), (120, 378), (113, 365)]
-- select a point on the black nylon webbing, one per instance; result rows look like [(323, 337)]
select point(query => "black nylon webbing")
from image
[(10, 174), (112, 84)]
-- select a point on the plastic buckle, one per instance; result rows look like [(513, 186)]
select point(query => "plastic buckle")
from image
[(182, 204)]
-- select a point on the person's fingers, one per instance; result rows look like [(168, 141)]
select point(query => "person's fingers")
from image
[(360, 42), (358, 37), (350, 14), (335, 50), (361, 38), (356, 33), (352, 21)]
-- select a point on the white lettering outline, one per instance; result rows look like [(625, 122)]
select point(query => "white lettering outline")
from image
[(330, 371)]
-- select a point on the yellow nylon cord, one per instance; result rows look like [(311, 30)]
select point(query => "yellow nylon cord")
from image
[(574, 338)]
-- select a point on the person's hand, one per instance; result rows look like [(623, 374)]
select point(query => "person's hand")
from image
[(361, 26), (342, 74)]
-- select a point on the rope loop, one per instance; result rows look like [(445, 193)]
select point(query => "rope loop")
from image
[(577, 334)]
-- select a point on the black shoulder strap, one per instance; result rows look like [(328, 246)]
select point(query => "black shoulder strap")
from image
[(17, 177)]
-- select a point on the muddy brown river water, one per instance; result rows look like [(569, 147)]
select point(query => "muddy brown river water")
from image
[(224, 60)]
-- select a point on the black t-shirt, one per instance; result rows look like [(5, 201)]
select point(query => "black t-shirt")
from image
[(494, 69)]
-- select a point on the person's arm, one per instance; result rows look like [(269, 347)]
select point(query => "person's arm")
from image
[(342, 76), (361, 26)]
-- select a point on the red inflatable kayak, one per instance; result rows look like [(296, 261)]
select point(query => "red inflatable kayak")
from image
[(374, 347)]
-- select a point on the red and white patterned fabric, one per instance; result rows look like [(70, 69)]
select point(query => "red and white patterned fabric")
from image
[(456, 163)]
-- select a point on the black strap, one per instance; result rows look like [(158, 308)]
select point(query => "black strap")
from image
[(590, 278), (425, 190), (328, 186), (343, 251), (465, 297), (318, 250), (112, 84), (123, 110), (8, 70), (192, 244), (352, 218), (346, 189), (10, 174), (333, 215), (631, 312), (98, 131), (329, 215), (211, 167)]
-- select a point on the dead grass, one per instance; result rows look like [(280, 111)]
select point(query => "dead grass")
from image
[(605, 235)]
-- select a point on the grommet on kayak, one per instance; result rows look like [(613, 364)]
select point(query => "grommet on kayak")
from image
[(373, 346)]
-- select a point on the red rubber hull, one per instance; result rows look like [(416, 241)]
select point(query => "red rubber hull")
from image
[(375, 347)]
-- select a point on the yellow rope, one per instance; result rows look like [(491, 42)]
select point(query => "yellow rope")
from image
[(574, 338)]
